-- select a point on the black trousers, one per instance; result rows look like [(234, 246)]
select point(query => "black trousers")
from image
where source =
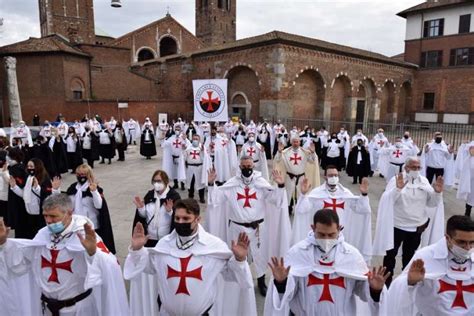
[(434, 173), (411, 242), (357, 177), (121, 153)]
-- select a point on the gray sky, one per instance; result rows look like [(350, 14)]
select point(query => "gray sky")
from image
[(370, 25)]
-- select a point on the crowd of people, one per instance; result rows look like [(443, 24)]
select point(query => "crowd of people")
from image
[(315, 238)]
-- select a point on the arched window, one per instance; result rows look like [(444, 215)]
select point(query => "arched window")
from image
[(145, 54), (77, 89), (168, 46)]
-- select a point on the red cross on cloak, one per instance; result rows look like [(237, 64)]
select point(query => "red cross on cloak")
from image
[(183, 274), (295, 159), (334, 206), (212, 146), (247, 197), (397, 153), (195, 154), (380, 142), (251, 151), (54, 265), (176, 143), (224, 143), (326, 282), (459, 288), (103, 247), (210, 102)]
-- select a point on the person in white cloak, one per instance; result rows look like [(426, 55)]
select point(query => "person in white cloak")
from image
[(248, 203), (437, 160), (197, 163), (229, 128), (223, 154), (192, 267), (466, 180), (112, 123), (413, 210), (256, 151), (206, 130), (132, 131), (378, 142), (353, 211), (173, 162), (71, 270), (392, 158), (21, 132), (439, 280), (359, 135), (325, 275), (460, 156)]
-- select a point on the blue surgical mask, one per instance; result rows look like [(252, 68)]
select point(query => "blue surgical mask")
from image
[(195, 143), (56, 228)]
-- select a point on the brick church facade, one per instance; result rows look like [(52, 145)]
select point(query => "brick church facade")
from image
[(74, 69)]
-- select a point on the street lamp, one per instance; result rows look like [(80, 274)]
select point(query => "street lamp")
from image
[(116, 4)]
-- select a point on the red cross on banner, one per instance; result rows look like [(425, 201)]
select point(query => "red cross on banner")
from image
[(397, 153), (183, 274), (177, 143), (247, 197), (251, 151), (326, 282), (459, 288), (295, 159), (334, 205), (194, 154), (54, 265), (210, 102)]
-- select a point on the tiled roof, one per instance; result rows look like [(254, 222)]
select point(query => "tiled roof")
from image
[(51, 43), (428, 5)]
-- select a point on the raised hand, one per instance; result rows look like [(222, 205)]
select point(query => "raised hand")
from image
[(211, 176), (240, 248), (5, 165), (280, 147), (56, 183), (416, 273), (139, 203), (280, 273), (4, 231), (438, 185), (169, 205), (138, 237), (377, 278), (305, 186), (277, 177), (400, 181), (89, 241), (93, 186), (12, 182), (364, 186)]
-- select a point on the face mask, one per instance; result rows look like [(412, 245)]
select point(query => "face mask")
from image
[(176, 133), (413, 174), (461, 253), (247, 172), (359, 133), (333, 180), (380, 134), (22, 125), (359, 144), (31, 172), (326, 244), (438, 140), (56, 228), (398, 144), (183, 229), (159, 186), (406, 136), (251, 139), (81, 179), (195, 143)]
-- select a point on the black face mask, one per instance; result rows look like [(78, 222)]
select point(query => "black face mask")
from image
[(31, 172), (359, 144), (183, 229), (406, 136), (247, 172), (438, 140), (81, 179)]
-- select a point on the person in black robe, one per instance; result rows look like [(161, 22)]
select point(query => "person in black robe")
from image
[(265, 141), (16, 212), (4, 178), (120, 141), (88, 187), (42, 151), (90, 146), (162, 193), (358, 162), (58, 147), (73, 149), (36, 120), (147, 143)]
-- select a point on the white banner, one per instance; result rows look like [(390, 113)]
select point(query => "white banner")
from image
[(210, 100)]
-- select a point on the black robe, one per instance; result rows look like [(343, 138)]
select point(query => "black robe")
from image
[(59, 157), (105, 230), (75, 159), (147, 148), (150, 198), (363, 169), (93, 153), (36, 222), (107, 151), (43, 153), (267, 145)]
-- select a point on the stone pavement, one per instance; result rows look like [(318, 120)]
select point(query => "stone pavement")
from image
[(122, 181)]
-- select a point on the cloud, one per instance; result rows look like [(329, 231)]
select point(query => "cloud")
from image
[(370, 25)]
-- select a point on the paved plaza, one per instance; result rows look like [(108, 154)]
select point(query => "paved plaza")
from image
[(122, 181)]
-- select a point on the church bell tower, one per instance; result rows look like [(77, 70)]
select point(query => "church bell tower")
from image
[(216, 21), (73, 19)]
